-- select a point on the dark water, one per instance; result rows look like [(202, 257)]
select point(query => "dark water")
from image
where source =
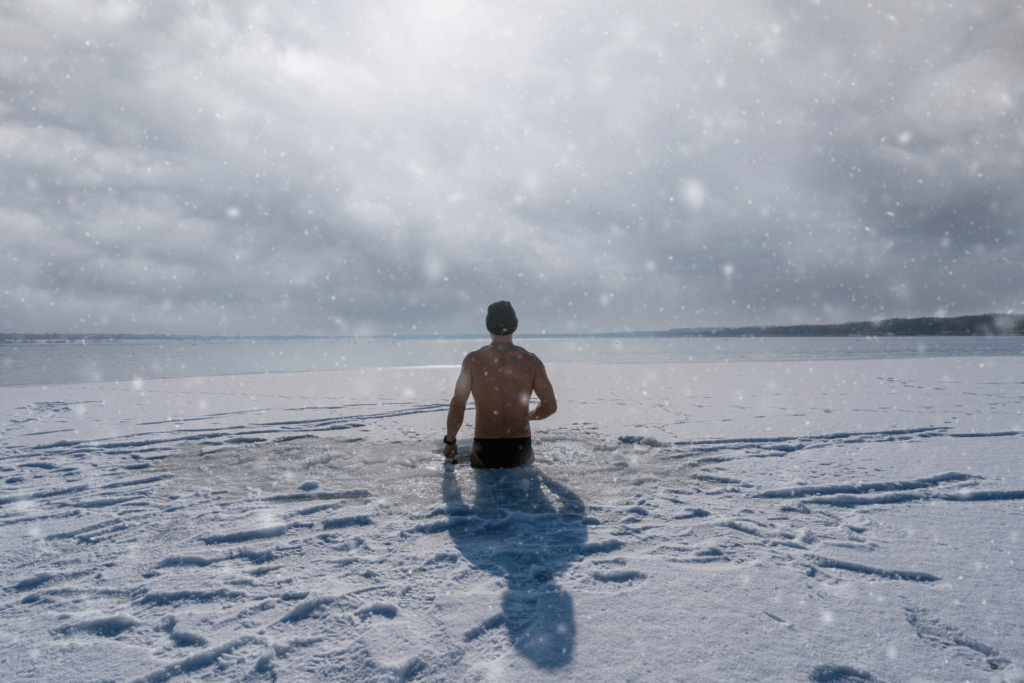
[(54, 363)]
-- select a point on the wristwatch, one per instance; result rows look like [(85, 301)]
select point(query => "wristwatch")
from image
[(447, 442)]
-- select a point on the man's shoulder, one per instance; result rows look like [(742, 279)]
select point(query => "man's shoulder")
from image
[(528, 358), (528, 354), (475, 356), (489, 354)]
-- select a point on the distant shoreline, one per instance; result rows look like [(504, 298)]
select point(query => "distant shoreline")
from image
[(989, 324)]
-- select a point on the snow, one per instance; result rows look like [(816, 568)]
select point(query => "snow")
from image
[(844, 520)]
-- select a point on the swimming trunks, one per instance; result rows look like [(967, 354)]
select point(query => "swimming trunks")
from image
[(495, 453)]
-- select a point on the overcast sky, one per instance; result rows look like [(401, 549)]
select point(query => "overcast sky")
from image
[(393, 167)]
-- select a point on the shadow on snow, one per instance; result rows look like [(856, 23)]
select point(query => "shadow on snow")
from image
[(515, 531)]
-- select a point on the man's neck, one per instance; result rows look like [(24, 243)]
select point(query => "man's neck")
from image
[(501, 339)]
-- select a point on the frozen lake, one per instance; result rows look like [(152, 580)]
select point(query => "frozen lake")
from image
[(793, 520), (94, 362)]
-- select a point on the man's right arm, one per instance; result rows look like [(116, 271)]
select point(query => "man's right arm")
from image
[(545, 393), (457, 407)]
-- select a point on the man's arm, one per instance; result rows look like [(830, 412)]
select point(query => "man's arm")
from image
[(545, 392), (457, 408)]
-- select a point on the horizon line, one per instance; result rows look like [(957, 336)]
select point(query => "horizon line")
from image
[(483, 335)]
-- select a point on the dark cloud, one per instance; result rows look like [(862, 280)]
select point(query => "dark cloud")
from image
[(389, 167)]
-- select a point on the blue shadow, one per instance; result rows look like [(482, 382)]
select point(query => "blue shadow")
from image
[(514, 530)]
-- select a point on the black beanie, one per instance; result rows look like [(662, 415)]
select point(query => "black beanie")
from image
[(501, 318)]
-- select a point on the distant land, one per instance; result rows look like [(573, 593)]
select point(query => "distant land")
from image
[(966, 325)]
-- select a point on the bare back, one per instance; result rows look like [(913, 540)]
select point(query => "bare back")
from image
[(501, 378)]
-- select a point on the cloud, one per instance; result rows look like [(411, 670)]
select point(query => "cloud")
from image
[(274, 168)]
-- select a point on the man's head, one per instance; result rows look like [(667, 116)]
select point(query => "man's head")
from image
[(501, 319)]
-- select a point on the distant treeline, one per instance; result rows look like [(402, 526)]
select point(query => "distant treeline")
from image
[(965, 325), (59, 338)]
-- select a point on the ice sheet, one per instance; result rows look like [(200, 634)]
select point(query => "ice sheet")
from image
[(824, 521)]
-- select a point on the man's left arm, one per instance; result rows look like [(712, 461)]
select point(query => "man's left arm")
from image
[(545, 393)]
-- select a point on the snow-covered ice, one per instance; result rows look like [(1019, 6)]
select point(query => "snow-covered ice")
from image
[(851, 520)]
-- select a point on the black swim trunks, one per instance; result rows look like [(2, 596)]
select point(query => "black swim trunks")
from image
[(495, 453)]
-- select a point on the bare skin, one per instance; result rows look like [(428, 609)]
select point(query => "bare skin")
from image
[(501, 377)]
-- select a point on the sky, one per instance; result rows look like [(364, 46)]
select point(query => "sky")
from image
[(392, 167)]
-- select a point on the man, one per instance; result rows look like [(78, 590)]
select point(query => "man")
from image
[(501, 377)]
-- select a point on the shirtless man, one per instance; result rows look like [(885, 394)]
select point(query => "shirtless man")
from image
[(501, 377)]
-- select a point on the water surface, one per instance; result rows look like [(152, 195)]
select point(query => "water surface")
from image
[(124, 360)]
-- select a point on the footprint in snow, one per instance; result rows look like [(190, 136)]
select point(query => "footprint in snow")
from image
[(620, 576), (834, 673), (945, 635)]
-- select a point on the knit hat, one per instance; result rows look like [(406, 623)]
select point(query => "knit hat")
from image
[(501, 318)]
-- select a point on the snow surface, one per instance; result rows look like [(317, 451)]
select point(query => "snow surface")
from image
[(795, 521)]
